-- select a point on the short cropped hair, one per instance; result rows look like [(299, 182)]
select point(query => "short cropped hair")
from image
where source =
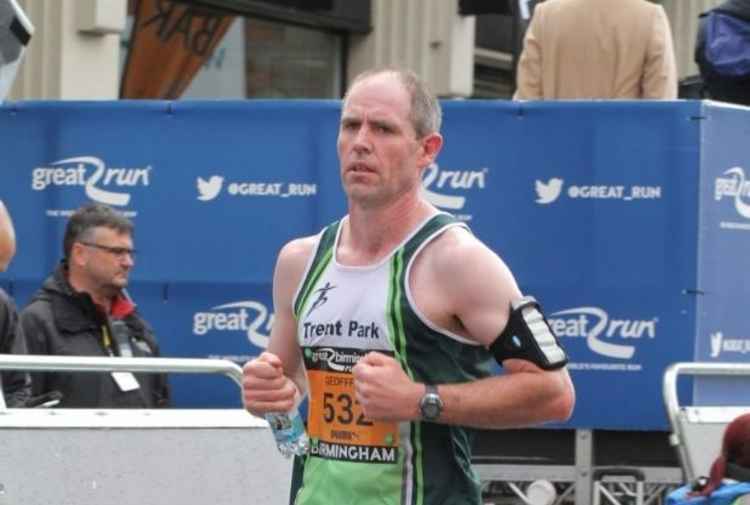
[(425, 114), (81, 225)]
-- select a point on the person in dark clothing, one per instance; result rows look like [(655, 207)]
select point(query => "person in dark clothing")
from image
[(83, 309), (728, 482), (721, 87), (16, 385)]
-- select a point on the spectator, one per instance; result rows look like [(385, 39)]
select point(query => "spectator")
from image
[(16, 386), (729, 478), (83, 310), (724, 60), (608, 49)]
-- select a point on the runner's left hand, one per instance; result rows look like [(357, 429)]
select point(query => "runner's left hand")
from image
[(383, 389)]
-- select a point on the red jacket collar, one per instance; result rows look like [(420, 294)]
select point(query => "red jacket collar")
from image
[(121, 307)]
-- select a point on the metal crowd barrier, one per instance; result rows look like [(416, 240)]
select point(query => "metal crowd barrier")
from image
[(115, 364), (137, 456)]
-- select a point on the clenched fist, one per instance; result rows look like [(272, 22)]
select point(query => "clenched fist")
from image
[(265, 388), (384, 390)]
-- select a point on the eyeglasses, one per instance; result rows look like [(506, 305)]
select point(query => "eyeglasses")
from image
[(120, 252)]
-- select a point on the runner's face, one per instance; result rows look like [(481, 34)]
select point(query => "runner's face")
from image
[(378, 149)]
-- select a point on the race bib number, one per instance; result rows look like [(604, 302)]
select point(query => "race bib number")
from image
[(337, 426)]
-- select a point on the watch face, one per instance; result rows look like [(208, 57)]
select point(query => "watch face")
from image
[(431, 407), (430, 410)]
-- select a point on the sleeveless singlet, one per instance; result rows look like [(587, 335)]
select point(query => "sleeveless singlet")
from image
[(343, 313)]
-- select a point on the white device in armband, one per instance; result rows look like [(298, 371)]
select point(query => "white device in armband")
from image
[(528, 336)]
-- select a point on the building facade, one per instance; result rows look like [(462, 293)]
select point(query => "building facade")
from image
[(286, 51)]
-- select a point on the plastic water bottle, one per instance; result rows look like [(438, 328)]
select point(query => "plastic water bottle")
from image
[(541, 492), (289, 432)]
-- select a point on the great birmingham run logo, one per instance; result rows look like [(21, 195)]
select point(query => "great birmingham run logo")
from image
[(734, 186), (604, 335), (437, 182), (101, 183), (737, 187), (248, 316)]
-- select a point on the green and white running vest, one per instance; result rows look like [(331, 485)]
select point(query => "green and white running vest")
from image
[(344, 312)]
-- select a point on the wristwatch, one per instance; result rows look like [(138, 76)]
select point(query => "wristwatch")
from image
[(431, 406)]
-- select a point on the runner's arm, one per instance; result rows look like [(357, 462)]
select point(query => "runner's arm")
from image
[(482, 288), (276, 379)]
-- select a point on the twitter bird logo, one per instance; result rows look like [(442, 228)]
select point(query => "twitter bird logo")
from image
[(548, 192), (209, 189), (716, 339)]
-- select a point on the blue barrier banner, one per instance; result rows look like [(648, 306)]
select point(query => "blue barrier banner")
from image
[(209, 320), (601, 209), (723, 328), (587, 203), (214, 188)]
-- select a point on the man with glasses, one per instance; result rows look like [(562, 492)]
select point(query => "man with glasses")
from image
[(83, 310)]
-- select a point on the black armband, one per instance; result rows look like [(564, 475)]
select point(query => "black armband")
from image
[(528, 336)]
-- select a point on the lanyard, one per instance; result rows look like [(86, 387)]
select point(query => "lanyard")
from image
[(120, 336), (107, 340)]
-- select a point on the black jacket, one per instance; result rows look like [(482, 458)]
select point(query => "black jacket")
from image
[(719, 88), (61, 321), (16, 385)]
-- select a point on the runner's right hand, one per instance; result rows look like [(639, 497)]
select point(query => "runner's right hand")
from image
[(265, 388)]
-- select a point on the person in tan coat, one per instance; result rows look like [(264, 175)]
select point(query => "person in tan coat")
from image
[(588, 49)]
